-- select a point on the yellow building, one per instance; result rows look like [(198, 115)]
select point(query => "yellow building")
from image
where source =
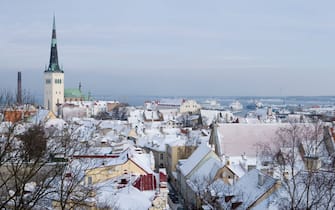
[(108, 168), (104, 173), (175, 152)]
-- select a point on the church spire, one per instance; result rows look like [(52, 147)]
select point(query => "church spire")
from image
[(53, 63)]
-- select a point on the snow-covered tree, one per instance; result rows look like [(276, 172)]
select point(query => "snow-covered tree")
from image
[(35, 168)]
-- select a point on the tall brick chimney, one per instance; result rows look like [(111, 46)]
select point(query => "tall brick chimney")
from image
[(19, 89)]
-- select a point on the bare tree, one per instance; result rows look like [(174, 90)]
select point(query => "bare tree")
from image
[(34, 142), (199, 187), (30, 176), (8, 98), (28, 97), (26, 176), (295, 157), (70, 189)]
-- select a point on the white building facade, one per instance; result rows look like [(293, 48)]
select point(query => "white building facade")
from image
[(190, 106)]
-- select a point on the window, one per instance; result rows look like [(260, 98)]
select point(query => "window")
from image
[(47, 81), (89, 180), (161, 156)]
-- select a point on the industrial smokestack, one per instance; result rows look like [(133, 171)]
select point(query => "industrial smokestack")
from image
[(19, 89)]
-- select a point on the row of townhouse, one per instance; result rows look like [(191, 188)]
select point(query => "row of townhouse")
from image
[(113, 176), (232, 171), (118, 174)]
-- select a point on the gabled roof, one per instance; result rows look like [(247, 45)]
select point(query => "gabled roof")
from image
[(41, 116), (205, 173), (151, 115), (142, 161), (200, 153), (248, 188), (236, 169), (239, 138), (132, 133), (99, 161)]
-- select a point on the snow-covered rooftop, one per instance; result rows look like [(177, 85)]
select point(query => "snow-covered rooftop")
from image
[(58, 123), (91, 162), (252, 186), (237, 139), (143, 160), (208, 116), (151, 115), (39, 116), (206, 172), (129, 197), (194, 159)]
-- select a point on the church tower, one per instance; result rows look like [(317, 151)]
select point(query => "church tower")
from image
[(53, 78)]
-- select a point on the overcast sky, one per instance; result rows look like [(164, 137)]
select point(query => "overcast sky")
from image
[(173, 47)]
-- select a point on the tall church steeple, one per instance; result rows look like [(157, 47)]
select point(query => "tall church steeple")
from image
[(53, 78), (53, 63)]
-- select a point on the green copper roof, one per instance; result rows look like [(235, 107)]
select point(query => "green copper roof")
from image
[(74, 93)]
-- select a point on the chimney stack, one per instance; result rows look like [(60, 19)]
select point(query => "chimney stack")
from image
[(19, 89), (261, 179)]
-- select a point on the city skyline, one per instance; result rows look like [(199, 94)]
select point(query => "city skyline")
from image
[(171, 48)]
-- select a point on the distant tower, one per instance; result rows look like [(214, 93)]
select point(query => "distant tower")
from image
[(53, 78), (19, 89)]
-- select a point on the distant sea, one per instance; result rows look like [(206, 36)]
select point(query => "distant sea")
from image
[(306, 101), (226, 100)]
